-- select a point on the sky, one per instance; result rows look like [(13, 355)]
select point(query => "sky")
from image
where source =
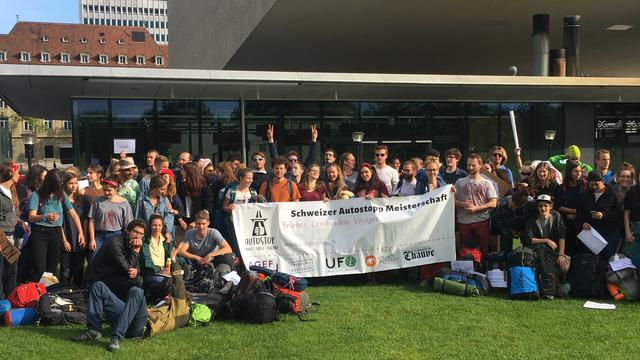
[(57, 11)]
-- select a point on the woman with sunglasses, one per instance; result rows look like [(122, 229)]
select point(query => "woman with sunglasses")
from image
[(499, 159), (108, 216)]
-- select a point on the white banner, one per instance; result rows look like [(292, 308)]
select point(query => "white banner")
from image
[(348, 236)]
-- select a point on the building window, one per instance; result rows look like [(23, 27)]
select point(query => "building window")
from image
[(137, 36), (4, 123), (140, 60), (65, 39), (44, 57), (120, 42), (84, 40), (3, 56), (122, 59), (162, 37), (104, 59), (65, 58), (44, 38), (119, 22), (130, 22), (26, 126), (102, 41), (47, 124), (159, 60), (48, 152), (25, 56), (2, 104), (101, 21), (90, 21), (85, 21), (66, 125), (84, 58), (108, 21)]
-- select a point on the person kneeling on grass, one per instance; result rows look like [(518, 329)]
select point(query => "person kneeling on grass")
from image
[(154, 254), (115, 288), (206, 245), (546, 232)]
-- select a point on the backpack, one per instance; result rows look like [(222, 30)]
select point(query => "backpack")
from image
[(23, 316), (281, 279), (26, 295), (5, 306), (253, 302), (586, 276), (522, 275), (233, 190), (207, 278), (200, 315), (548, 270), (625, 283), (216, 301), (289, 187), (64, 304)]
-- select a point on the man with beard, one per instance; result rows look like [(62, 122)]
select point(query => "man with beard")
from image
[(408, 184)]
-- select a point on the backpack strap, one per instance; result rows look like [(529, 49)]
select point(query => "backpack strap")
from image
[(233, 189), (290, 188)]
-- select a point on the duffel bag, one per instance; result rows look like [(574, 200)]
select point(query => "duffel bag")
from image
[(22, 316), (26, 295), (454, 288)]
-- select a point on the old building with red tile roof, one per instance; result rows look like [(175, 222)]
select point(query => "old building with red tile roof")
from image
[(38, 43)]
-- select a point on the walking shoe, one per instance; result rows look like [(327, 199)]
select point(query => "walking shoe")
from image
[(114, 344), (89, 335)]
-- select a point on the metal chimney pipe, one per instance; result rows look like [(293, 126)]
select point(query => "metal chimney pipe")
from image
[(540, 64), (558, 64), (571, 42)]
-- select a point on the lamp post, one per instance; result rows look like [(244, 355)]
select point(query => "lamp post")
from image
[(549, 136), (357, 137), (29, 140)]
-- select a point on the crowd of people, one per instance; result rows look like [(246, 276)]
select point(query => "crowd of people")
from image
[(122, 220)]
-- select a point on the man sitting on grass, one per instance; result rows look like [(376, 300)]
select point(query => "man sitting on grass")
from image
[(206, 245), (115, 289)]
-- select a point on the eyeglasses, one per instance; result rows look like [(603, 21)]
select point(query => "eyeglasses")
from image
[(380, 155), (258, 159), (407, 170), (293, 160), (134, 231), (432, 170), (496, 155)]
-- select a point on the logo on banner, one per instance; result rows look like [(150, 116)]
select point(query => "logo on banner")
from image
[(301, 266), (259, 232), (267, 263), (340, 262), (371, 261), (419, 254), (258, 225)]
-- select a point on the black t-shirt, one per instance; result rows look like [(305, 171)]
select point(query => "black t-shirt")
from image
[(632, 203)]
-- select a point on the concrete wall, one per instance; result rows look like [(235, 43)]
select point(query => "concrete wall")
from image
[(205, 34), (580, 129)]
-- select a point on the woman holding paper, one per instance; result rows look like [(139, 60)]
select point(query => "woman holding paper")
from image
[(599, 209)]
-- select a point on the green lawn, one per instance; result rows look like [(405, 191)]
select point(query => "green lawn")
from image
[(390, 321)]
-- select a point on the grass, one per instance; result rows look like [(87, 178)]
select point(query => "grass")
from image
[(391, 321)]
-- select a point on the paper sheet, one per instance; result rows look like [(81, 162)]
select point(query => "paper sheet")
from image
[(83, 184), (621, 264), (233, 277), (593, 240), (599, 306), (497, 278), (463, 265)]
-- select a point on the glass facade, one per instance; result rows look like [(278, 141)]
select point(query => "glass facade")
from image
[(617, 128), (213, 128)]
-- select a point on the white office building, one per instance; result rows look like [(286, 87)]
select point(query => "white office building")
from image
[(151, 14)]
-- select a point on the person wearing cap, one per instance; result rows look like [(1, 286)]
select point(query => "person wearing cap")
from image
[(546, 234), (108, 216), (600, 210), (573, 153), (510, 218), (129, 188)]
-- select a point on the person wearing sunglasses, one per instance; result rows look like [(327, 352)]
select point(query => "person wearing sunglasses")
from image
[(498, 158), (260, 173), (386, 174)]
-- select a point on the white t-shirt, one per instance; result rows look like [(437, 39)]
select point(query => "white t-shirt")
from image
[(389, 177), (242, 197), (407, 188), (480, 192)]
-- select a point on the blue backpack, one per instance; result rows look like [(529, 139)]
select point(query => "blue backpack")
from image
[(523, 283)]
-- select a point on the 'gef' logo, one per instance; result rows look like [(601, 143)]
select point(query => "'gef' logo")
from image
[(340, 262), (259, 228)]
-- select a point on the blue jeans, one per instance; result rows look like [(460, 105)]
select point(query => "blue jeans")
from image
[(101, 238), (126, 319)]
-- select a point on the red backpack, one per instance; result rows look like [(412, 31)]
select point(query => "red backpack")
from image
[(26, 295)]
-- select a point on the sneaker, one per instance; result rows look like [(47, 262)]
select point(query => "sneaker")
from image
[(89, 335), (424, 283), (114, 344)]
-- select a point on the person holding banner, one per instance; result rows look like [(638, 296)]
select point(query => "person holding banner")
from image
[(368, 185), (335, 182), (348, 164), (241, 193), (475, 197)]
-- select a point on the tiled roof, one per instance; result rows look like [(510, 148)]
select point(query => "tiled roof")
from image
[(77, 39)]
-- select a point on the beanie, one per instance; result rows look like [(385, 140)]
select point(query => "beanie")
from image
[(573, 152)]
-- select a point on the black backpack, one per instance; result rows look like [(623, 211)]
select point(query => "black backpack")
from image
[(256, 306), (548, 270), (586, 276), (63, 304)]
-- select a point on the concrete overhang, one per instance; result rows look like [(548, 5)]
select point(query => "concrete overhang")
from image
[(47, 91)]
